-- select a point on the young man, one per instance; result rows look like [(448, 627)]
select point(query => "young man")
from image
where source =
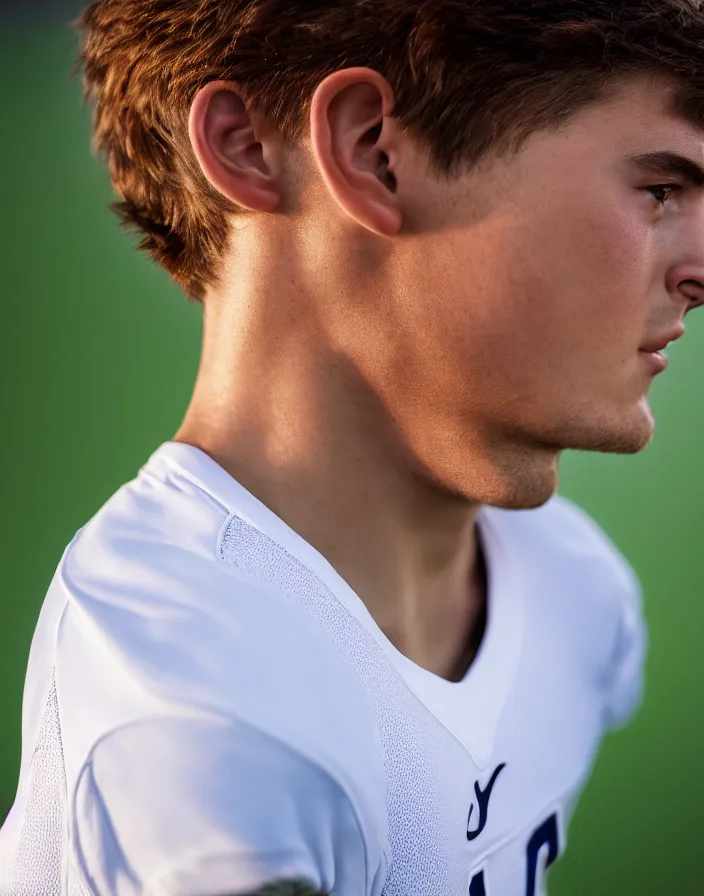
[(340, 635)]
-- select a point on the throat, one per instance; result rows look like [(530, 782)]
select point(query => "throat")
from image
[(474, 631)]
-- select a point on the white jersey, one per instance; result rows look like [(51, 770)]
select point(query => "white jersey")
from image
[(209, 707)]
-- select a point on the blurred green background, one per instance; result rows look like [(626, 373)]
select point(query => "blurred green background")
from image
[(99, 354)]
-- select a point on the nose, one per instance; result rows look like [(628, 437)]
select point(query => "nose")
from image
[(687, 281)]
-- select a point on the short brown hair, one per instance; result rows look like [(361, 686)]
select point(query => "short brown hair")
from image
[(470, 78)]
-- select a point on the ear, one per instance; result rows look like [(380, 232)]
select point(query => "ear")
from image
[(347, 130), (233, 147)]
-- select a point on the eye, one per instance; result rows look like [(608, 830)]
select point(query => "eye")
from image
[(660, 189)]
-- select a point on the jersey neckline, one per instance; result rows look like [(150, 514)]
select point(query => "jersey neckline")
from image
[(471, 708)]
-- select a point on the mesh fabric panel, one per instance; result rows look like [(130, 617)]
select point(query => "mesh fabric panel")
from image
[(415, 745), (31, 841)]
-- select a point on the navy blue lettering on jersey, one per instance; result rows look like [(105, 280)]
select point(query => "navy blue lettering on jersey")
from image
[(476, 885), (483, 802), (545, 837)]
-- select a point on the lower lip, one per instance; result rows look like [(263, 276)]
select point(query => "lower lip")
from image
[(655, 361)]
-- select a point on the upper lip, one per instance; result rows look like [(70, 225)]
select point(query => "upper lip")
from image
[(658, 343)]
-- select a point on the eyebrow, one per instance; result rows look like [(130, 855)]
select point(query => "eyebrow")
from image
[(670, 163)]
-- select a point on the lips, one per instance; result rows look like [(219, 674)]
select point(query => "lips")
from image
[(655, 361), (658, 343)]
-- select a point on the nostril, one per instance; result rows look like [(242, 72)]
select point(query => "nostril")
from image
[(693, 290)]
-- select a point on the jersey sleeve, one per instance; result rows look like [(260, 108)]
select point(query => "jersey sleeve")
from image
[(179, 806), (624, 692)]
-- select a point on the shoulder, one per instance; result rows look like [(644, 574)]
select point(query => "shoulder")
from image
[(610, 591), (575, 576), (157, 624), (565, 539), (574, 572)]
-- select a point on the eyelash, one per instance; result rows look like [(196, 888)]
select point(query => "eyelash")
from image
[(659, 188)]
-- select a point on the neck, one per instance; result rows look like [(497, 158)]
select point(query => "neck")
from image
[(295, 424)]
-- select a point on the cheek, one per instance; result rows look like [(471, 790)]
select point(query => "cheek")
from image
[(530, 303), (578, 280)]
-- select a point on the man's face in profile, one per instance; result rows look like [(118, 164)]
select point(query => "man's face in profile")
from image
[(535, 281)]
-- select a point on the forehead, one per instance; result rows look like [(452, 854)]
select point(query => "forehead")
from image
[(635, 117), (641, 108)]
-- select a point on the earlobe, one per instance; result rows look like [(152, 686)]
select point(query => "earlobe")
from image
[(223, 140), (347, 110)]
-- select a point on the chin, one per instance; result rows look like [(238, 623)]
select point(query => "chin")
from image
[(627, 432), (523, 477)]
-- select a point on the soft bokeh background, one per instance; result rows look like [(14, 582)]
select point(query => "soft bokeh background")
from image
[(98, 353)]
